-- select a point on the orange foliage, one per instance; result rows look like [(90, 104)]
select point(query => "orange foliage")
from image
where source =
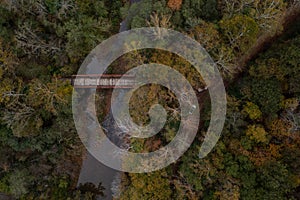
[(260, 156), (153, 145), (280, 128), (174, 4), (274, 150)]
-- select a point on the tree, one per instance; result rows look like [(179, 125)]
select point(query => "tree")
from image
[(257, 133), (82, 35), (10, 85), (266, 13), (23, 121), (229, 191), (48, 96), (6, 31), (209, 37), (16, 183), (162, 21), (267, 94), (268, 68), (293, 119), (31, 43), (252, 111), (194, 11), (174, 4), (92, 189), (148, 186), (274, 181), (240, 31), (139, 13)]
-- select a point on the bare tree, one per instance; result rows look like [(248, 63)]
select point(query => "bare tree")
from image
[(19, 118), (66, 6), (159, 21), (32, 44), (292, 118)]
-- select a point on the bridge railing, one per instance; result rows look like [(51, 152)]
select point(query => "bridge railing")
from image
[(102, 81)]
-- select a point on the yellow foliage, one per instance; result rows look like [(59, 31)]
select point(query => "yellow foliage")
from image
[(6, 85), (274, 150), (65, 90), (291, 103), (1, 73), (208, 35), (47, 95), (257, 133), (7, 60), (252, 110)]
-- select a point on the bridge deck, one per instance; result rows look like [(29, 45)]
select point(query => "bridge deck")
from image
[(102, 81)]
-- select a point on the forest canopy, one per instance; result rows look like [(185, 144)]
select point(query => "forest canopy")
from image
[(255, 45)]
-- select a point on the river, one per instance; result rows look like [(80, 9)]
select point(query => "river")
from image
[(94, 171)]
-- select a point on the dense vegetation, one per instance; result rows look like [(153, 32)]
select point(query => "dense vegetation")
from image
[(258, 155)]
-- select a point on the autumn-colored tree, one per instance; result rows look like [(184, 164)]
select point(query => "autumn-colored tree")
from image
[(174, 4), (208, 36), (148, 186), (257, 155), (252, 111), (229, 191), (48, 95), (257, 133)]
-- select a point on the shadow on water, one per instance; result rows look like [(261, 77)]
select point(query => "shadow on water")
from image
[(93, 171)]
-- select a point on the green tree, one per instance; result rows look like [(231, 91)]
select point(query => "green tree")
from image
[(267, 94), (193, 11), (82, 35), (273, 180), (16, 183), (240, 32)]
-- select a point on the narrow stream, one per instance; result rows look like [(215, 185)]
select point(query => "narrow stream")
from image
[(94, 171)]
